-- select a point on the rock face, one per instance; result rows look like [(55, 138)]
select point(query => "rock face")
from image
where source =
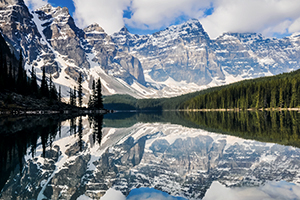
[(51, 40), (186, 53), (177, 60), (116, 63), (178, 52)]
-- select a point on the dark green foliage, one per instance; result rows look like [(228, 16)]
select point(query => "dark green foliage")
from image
[(80, 90), (44, 86), (72, 97), (97, 122), (33, 82), (21, 77), (127, 102), (52, 90), (278, 127), (13, 77), (95, 101), (268, 92)]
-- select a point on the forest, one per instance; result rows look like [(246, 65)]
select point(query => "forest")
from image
[(281, 91), (13, 77)]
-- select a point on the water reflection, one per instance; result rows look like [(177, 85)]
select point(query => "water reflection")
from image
[(279, 127), (162, 155)]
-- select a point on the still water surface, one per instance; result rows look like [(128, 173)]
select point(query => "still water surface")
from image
[(168, 155)]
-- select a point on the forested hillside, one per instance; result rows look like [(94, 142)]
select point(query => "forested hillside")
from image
[(281, 91), (127, 102)]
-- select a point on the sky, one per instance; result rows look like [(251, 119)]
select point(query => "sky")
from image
[(272, 18)]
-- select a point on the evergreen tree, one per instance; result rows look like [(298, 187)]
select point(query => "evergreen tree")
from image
[(52, 90), (74, 97), (71, 97), (33, 82), (80, 90), (2, 73), (98, 97), (11, 78), (59, 94), (44, 85), (21, 82)]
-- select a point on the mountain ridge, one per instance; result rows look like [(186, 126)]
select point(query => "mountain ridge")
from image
[(174, 61)]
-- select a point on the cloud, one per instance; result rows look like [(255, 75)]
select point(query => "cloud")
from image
[(154, 14), (108, 14), (272, 190), (262, 16), (34, 4)]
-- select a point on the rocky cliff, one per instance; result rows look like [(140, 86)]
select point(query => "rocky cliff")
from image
[(174, 61)]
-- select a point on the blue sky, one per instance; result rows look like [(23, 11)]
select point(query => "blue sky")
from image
[(275, 18)]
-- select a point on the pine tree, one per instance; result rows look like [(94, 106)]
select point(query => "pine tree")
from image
[(92, 97), (98, 97), (52, 90), (22, 78), (11, 80), (59, 94), (33, 82), (44, 85), (80, 90), (71, 97), (281, 101), (74, 97)]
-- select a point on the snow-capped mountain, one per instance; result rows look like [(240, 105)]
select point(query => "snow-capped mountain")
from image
[(174, 61), (178, 160)]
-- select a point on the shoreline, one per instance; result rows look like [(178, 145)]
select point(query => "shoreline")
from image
[(51, 112), (238, 109)]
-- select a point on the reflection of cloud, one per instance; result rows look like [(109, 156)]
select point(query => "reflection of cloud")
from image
[(269, 191), (150, 194), (113, 194)]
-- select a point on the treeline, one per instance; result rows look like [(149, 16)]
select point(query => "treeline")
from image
[(127, 102), (13, 77), (281, 91), (95, 100)]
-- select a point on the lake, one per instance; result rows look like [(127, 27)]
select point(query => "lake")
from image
[(166, 155)]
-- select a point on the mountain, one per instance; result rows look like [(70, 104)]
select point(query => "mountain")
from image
[(185, 54), (172, 158), (174, 61)]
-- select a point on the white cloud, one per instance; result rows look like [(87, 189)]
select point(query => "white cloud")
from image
[(263, 16), (154, 14), (34, 4), (108, 14)]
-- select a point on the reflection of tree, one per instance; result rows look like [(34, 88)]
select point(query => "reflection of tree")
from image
[(80, 128), (72, 126), (20, 136), (97, 128), (278, 127)]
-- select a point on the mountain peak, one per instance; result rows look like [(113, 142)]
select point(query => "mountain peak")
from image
[(4, 3), (94, 27), (48, 8), (124, 30)]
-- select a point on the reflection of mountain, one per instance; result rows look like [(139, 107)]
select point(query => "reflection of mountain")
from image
[(172, 158)]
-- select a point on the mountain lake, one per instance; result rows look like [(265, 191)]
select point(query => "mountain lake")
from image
[(148, 155)]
